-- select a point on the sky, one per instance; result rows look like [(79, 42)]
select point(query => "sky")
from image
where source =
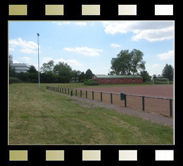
[(92, 44)]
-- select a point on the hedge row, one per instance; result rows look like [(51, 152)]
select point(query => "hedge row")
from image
[(91, 82), (14, 80)]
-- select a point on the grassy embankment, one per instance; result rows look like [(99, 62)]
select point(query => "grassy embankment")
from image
[(42, 117)]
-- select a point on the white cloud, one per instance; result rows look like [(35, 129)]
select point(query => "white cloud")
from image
[(28, 51), (115, 45), (154, 66), (27, 59), (154, 35), (84, 50), (166, 55), (70, 22), (46, 59), (57, 22), (151, 31), (11, 49), (15, 61), (26, 47), (71, 62), (80, 23)]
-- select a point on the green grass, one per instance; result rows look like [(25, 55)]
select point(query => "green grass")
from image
[(43, 117)]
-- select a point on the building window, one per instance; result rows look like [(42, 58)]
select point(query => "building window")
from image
[(121, 79), (133, 79), (108, 79)]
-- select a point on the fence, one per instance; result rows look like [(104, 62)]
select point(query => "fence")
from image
[(159, 105)]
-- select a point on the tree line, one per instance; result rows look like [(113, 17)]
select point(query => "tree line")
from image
[(126, 63), (50, 73)]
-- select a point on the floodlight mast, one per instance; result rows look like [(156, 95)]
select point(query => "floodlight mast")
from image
[(38, 61)]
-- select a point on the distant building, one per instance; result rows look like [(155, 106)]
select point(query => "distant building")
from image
[(117, 79), (19, 67)]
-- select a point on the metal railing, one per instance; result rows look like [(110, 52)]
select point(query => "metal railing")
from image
[(159, 105)]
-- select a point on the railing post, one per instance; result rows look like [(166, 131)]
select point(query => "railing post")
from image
[(111, 98), (80, 93), (65, 90), (101, 96), (170, 107), (86, 94), (125, 100), (143, 104), (92, 95)]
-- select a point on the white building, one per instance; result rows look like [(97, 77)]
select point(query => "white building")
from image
[(19, 67)]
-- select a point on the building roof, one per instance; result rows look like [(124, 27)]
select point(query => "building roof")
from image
[(19, 65), (118, 76)]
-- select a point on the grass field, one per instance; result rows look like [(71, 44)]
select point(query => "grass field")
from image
[(42, 117)]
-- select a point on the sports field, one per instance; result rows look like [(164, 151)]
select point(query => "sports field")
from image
[(156, 96), (39, 117), (147, 90)]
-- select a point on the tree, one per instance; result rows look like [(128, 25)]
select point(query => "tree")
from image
[(112, 73), (82, 77), (121, 64), (137, 61), (75, 75), (12, 72), (154, 76), (145, 75), (23, 76), (32, 69), (63, 69), (88, 74), (47, 67), (168, 72), (127, 63)]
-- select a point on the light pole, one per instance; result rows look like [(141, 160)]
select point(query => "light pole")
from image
[(38, 61)]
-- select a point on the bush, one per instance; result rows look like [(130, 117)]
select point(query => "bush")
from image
[(14, 80), (91, 82), (83, 80)]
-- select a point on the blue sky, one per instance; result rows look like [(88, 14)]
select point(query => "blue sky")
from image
[(92, 44)]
